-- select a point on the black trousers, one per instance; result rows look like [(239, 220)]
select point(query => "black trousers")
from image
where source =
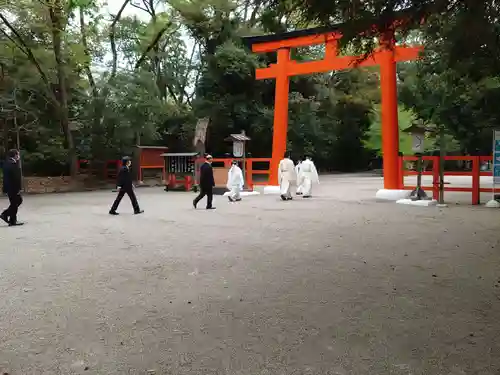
[(208, 192), (131, 195), (15, 200)]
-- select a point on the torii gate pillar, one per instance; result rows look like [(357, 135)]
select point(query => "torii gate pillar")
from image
[(390, 123), (280, 128)]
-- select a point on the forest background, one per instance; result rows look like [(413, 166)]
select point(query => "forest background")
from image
[(82, 79)]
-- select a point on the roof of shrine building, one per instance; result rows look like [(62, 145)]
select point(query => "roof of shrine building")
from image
[(238, 137), (338, 27)]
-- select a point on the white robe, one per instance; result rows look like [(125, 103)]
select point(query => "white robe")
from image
[(286, 177), (299, 177), (235, 182), (309, 176)]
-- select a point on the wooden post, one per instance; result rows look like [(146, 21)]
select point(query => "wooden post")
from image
[(243, 164), (331, 48), (476, 180), (188, 182), (390, 126), (442, 159), (280, 127), (402, 173), (437, 183), (249, 173)]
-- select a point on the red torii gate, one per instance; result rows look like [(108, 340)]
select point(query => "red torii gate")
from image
[(386, 56)]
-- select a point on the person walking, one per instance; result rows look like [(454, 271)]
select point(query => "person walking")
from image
[(207, 183), (309, 175), (125, 186), (299, 177), (12, 185), (287, 177), (235, 182)]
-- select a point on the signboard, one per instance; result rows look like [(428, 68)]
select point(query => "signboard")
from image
[(200, 132), (418, 143), (238, 148), (496, 157)]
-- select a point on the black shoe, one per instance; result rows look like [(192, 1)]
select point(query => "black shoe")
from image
[(238, 200), (16, 224), (210, 208), (114, 213), (283, 198), (4, 218), (230, 199), (289, 199), (139, 212), (299, 193), (195, 204)]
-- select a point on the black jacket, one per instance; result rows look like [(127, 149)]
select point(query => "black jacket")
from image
[(206, 176), (11, 177), (124, 179)]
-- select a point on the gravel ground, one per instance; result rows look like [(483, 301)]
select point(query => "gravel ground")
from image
[(339, 284)]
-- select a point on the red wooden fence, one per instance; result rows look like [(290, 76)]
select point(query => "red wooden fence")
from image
[(475, 173)]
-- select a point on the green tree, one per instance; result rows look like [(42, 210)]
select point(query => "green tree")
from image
[(465, 106), (374, 142), (49, 19)]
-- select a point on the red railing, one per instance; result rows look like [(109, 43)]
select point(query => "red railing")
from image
[(250, 171), (110, 170), (475, 173)]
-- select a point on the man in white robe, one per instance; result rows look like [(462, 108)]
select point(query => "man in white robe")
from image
[(287, 177), (299, 178), (235, 182), (309, 176)]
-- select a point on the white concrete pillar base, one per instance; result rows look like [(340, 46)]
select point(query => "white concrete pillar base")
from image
[(270, 189), (392, 194), (420, 203), (493, 204)]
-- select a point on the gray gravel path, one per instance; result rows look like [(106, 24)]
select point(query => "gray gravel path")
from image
[(339, 284)]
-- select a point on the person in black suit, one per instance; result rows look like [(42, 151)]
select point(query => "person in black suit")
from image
[(12, 187), (207, 183), (125, 186)]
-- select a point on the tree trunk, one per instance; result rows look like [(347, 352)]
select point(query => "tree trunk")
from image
[(245, 11), (3, 121), (6, 128), (56, 16), (88, 71), (97, 132)]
